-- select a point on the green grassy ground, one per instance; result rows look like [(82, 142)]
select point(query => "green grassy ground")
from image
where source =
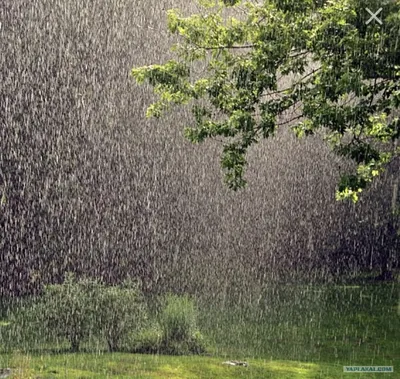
[(287, 332), (341, 324), (126, 366)]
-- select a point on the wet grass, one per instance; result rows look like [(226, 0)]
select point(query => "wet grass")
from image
[(289, 332), (338, 325), (126, 366)]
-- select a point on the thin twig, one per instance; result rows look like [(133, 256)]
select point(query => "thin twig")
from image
[(288, 121)]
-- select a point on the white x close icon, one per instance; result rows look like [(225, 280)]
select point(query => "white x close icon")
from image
[(373, 16)]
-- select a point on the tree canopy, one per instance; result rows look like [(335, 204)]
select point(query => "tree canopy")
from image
[(324, 67)]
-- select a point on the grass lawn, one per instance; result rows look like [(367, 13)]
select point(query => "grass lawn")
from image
[(120, 365), (289, 332)]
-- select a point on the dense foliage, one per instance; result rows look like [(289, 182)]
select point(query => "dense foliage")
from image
[(321, 61), (87, 311), (178, 321), (79, 309)]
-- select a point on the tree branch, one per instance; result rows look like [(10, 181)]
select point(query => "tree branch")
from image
[(292, 119), (222, 47), (294, 85)]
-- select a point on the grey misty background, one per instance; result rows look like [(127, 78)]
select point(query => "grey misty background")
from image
[(89, 185)]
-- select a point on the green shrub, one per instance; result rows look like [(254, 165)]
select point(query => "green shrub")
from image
[(68, 310), (178, 318), (194, 344), (147, 341), (79, 309), (121, 312), (178, 322)]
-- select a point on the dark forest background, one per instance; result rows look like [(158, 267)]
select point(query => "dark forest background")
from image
[(88, 185)]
